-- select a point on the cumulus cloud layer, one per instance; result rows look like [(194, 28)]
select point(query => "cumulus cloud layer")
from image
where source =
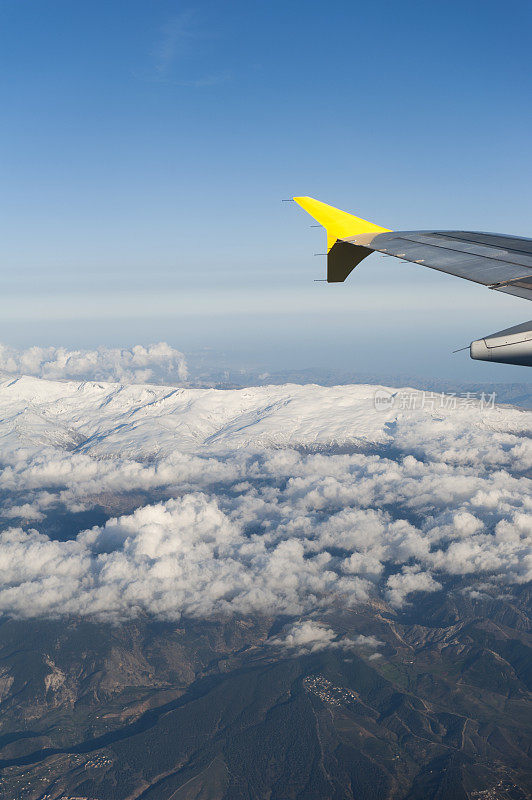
[(302, 532), (157, 363), (223, 522)]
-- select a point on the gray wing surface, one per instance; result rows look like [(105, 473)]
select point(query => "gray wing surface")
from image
[(502, 263)]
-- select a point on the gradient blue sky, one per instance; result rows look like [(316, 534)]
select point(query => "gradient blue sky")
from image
[(146, 148)]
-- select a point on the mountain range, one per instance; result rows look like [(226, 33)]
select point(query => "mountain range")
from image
[(288, 591)]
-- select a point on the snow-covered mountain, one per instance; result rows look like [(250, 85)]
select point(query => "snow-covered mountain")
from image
[(145, 421)]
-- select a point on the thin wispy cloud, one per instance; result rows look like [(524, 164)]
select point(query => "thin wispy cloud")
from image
[(175, 41), (208, 80), (180, 40)]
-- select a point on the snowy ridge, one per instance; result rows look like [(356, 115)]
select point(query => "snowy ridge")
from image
[(139, 421)]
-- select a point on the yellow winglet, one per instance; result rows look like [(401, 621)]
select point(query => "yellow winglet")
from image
[(338, 224)]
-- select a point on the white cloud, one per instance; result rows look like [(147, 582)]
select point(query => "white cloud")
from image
[(307, 636), (226, 524), (409, 580), (156, 363)]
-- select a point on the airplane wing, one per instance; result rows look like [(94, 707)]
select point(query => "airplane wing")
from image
[(502, 263)]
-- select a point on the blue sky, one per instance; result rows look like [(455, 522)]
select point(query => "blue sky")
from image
[(146, 148)]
